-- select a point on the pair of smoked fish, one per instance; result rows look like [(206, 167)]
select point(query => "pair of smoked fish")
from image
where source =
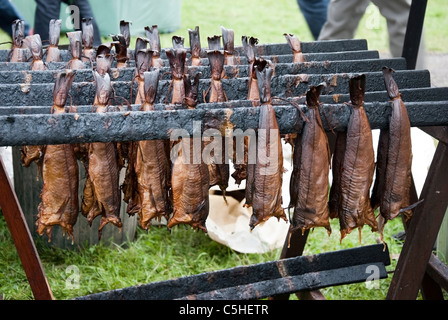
[(353, 166)]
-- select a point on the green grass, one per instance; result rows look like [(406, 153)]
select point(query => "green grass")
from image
[(161, 255)]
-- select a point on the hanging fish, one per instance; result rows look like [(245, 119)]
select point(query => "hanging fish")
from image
[(309, 181), (18, 48), (195, 46), (88, 53), (75, 39), (125, 31), (101, 195), (34, 43), (53, 53), (249, 46), (59, 195), (152, 33), (190, 175), (121, 50), (176, 58), (228, 46), (395, 184), (152, 165), (265, 176), (219, 169), (356, 173), (296, 47)]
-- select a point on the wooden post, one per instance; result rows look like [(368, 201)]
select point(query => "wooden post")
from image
[(23, 241), (422, 231), (442, 240)]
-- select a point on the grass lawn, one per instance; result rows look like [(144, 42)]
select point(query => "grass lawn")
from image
[(158, 254)]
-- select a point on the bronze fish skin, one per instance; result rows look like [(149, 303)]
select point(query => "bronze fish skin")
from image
[(249, 46), (358, 168), (101, 194), (75, 39), (176, 58), (152, 166), (18, 52), (152, 33), (219, 168), (397, 181), (59, 195), (190, 185), (126, 32), (195, 46), (266, 175), (121, 50), (53, 53), (311, 201), (190, 176), (336, 166), (228, 46), (34, 43), (88, 52), (296, 47)]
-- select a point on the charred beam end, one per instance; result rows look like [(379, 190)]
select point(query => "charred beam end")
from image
[(17, 130), (308, 269)]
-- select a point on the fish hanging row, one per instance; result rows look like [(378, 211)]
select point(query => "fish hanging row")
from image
[(155, 188)]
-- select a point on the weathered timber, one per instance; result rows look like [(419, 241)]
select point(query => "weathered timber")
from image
[(238, 71), (306, 272), (35, 129)]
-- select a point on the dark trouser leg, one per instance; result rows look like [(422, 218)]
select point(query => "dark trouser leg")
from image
[(9, 13), (315, 13), (45, 11)]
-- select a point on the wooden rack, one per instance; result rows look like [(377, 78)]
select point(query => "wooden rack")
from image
[(418, 268)]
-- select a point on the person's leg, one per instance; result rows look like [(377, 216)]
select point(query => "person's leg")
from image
[(315, 13), (343, 17), (85, 11), (397, 14), (45, 11), (9, 13)]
